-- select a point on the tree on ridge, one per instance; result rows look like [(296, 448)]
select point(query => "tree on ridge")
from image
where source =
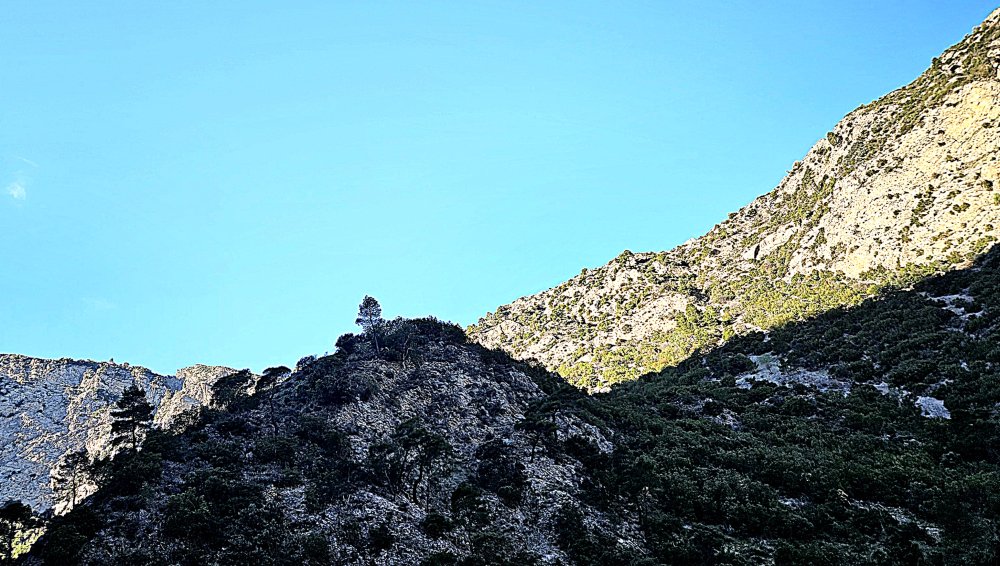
[(370, 318)]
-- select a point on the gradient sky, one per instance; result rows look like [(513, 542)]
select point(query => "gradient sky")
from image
[(221, 182)]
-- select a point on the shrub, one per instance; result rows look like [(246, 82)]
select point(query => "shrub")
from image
[(435, 524)]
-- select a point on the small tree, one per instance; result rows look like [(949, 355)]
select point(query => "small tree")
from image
[(405, 340), (70, 476), (539, 428), (265, 386), (370, 318), (132, 416), (270, 376), (412, 459)]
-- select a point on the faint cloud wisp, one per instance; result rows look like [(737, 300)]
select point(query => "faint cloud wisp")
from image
[(17, 191), (26, 160)]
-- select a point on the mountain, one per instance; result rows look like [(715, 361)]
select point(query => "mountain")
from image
[(49, 408), (866, 435), (815, 381), (415, 449), (902, 187)]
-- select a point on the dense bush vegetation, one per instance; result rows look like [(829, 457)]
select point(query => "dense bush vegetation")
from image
[(707, 466), (810, 477)]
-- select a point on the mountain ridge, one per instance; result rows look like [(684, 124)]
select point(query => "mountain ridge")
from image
[(805, 388), (882, 199), (866, 435)]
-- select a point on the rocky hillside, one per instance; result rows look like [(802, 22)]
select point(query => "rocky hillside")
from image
[(902, 187), (49, 408), (418, 449), (815, 381), (866, 435)]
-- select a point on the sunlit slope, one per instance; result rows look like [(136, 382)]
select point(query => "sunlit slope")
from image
[(901, 187)]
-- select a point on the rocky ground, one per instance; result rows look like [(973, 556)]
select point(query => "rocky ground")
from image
[(862, 436), (384, 457), (826, 393)]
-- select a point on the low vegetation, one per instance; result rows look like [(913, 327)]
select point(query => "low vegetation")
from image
[(708, 462)]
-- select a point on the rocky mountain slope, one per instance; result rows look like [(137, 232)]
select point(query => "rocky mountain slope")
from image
[(902, 187), (49, 408), (863, 436), (418, 449), (826, 391)]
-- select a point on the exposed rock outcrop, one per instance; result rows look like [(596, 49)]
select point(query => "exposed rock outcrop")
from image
[(854, 437), (902, 187), (49, 408)]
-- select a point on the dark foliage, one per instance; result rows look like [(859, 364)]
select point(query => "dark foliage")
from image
[(15, 517), (500, 471), (131, 416), (231, 390), (707, 467)]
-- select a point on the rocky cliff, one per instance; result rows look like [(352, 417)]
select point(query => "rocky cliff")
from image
[(49, 408), (902, 187)]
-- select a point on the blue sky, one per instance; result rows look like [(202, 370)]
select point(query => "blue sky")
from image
[(222, 182)]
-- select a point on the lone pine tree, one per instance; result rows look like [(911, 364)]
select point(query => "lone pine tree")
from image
[(370, 318), (71, 475), (132, 415)]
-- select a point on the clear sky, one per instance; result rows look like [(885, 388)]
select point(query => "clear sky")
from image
[(221, 182)]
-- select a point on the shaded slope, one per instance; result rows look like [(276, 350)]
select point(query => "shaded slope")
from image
[(435, 451), (902, 187), (717, 464)]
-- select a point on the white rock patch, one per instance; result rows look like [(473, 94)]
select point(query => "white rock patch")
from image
[(932, 408)]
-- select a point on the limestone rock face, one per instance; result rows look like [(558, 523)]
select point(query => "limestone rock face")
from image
[(904, 186), (49, 408)]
